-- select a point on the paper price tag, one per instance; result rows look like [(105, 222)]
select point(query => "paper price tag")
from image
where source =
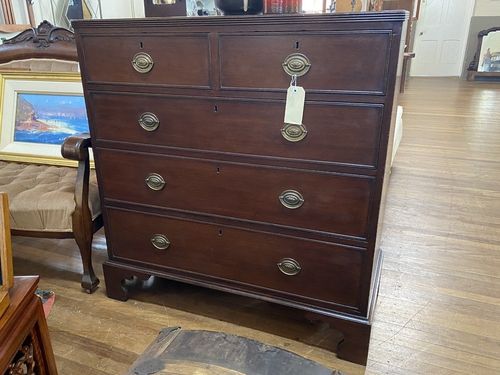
[(294, 107)]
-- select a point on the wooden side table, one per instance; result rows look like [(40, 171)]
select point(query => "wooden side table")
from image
[(24, 337)]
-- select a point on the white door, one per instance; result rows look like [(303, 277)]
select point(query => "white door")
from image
[(441, 37)]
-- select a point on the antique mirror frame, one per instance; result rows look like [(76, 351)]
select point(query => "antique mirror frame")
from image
[(473, 73)]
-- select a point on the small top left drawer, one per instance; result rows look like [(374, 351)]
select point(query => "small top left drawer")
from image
[(167, 59)]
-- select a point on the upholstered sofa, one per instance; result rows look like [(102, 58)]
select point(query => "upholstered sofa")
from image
[(45, 200)]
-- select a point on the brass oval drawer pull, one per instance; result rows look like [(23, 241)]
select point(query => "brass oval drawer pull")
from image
[(155, 181), (296, 64), (142, 62), (289, 266), (149, 121), (160, 241), (293, 132), (291, 199)]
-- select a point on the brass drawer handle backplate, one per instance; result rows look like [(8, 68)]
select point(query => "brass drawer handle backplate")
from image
[(296, 64), (142, 62), (160, 241), (291, 199), (293, 132), (289, 266), (149, 121), (155, 182)]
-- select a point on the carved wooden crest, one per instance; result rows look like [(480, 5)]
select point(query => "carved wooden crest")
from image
[(43, 35), (45, 41)]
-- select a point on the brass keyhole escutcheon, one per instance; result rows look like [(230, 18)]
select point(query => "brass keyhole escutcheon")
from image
[(293, 132), (291, 199), (155, 181), (289, 266), (142, 62), (149, 121), (160, 241), (296, 64)]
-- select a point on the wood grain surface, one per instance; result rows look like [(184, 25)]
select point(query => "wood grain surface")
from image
[(439, 299), (331, 127), (333, 203), (24, 324), (6, 271)]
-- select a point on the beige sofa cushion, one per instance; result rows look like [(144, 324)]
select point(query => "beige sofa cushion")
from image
[(41, 197)]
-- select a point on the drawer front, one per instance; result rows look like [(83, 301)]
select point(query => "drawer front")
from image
[(331, 203), (334, 132), (328, 272), (176, 60), (348, 62)]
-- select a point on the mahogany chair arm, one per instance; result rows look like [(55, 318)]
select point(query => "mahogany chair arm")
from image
[(76, 147)]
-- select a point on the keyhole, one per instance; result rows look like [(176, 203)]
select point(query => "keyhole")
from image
[(216, 108), (221, 232), (218, 170), (142, 46), (297, 44)]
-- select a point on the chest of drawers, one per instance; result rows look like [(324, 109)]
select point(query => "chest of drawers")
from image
[(202, 182)]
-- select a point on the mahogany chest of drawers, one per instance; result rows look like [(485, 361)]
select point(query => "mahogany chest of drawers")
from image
[(201, 181)]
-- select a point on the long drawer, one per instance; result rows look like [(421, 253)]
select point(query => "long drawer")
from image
[(281, 265), (317, 201), (333, 132)]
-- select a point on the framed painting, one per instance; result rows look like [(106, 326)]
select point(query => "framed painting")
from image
[(6, 270), (38, 111)]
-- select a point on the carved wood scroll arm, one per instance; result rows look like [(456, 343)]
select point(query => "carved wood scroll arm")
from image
[(76, 147)]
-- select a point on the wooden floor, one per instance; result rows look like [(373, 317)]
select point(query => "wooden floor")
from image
[(439, 305)]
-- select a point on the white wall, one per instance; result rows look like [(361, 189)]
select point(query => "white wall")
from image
[(110, 9), (138, 9), (487, 8), (20, 13), (122, 8)]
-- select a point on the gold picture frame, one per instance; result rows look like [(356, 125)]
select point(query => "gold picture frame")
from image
[(19, 139), (6, 268)]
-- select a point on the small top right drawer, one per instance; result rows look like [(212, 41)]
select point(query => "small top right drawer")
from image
[(345, 62)]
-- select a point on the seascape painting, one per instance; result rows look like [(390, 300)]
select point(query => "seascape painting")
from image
[(49, 118)]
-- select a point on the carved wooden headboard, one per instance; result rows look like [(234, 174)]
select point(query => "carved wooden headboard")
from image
[(44, 42)]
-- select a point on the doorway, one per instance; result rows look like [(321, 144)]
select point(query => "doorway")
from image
[(441, 37)]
